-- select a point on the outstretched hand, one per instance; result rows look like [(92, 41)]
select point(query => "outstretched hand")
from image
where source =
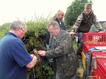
[(72, 33), (42, 53)]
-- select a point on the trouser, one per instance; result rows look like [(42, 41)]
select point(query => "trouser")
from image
[(67, 75), (53, 66), (60, 77), (79, 44)]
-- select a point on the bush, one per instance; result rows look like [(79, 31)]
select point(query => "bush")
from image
[(4, 29), (33, 40)]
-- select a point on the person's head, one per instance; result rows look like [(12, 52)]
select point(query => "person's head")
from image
[(88, 8), (53, 28), (60, 15), (18, 28), (104, 25)]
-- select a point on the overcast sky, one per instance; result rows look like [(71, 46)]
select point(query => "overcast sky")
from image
[(99, 9), (11, 10)]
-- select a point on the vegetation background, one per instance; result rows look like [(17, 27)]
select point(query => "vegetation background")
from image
[(38, 28)]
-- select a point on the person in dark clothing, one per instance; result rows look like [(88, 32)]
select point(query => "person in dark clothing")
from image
[(14, 58), (85, 20), (59, 18), (83, 24), (60, 49)]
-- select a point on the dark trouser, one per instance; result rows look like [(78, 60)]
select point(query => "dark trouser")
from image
[(79, 44), (60, 77), (60, 74), (53, 66)]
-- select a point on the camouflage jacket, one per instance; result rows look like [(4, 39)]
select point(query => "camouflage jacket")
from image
[(84, 22), (63, 54)]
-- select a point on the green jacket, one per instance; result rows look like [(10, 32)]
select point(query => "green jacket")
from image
[(63, 54)]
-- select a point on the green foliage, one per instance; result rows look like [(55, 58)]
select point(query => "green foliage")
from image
[(33, 40), (43, 71), (38, 27), (73, 11), (4, 29)]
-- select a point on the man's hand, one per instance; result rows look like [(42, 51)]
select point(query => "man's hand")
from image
[(33, 62), (32, 55), (72, 33), (42, 53), (34, 58)]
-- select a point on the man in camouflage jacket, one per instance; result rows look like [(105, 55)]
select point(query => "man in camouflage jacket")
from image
[(60, 49)]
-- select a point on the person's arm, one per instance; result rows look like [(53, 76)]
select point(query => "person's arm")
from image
[(63, 48), (33, 62), (21, 56), (77, 23)]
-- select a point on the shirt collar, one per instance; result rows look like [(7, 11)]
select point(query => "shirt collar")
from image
[(10, 33)]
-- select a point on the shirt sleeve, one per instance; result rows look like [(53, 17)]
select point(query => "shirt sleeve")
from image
[(20, 54), (62, 49), (78, 22)]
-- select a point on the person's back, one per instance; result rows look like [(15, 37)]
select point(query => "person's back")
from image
[(14, 58), (8, 66)]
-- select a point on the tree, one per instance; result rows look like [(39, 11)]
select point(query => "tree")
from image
[(74, 10)]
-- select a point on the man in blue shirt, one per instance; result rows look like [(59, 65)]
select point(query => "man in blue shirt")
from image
[(14, 58)]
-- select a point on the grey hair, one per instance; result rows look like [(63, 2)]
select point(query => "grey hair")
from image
[(17, 25), (54, 24)]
